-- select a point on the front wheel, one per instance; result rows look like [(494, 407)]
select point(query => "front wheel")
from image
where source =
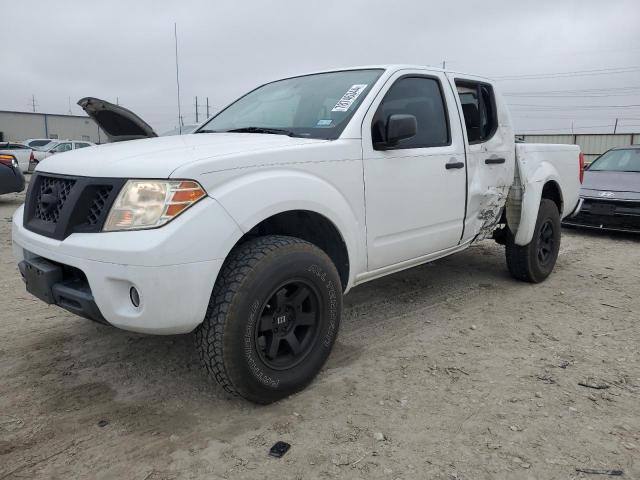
[(535, 261), (272, 319)]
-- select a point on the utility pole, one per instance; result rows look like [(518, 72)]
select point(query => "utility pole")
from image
[(444, 64), (33, 102), (197, 109), (615, 127), (208, 107), (70, 113), (175, 36), (117, 100)]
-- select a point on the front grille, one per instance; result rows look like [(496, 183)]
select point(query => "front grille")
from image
[(618, 215), (59, 205), (51, 197), (98, 204)]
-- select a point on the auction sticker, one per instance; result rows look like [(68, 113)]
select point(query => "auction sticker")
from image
[(349, 97)]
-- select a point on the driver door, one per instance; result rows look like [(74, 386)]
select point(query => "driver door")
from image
[(414, 191)]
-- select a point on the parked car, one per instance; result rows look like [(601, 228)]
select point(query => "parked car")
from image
[(21, 152), (610, 193), (59, 146), (249, 231), (38, 142), (11, 177)]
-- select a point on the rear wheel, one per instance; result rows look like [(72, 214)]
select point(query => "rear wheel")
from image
[(272, 319), (535, 261)]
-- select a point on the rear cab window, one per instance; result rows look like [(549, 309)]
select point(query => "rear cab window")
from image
[(479, 110)]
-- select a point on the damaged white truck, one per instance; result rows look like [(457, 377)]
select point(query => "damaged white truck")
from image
[(249, 231)]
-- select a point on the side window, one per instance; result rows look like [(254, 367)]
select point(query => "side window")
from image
[(421, 97), (479, 110), (63, 147), (81, 145)]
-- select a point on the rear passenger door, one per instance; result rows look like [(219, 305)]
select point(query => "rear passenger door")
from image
[(414, 191), (490, 153)]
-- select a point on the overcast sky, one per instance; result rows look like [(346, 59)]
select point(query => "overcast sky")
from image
[(125, 50)]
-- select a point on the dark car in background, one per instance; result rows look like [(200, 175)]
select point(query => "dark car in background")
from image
[(610, 193), (11, 177)]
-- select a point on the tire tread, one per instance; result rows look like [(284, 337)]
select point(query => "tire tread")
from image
[(240, 262)]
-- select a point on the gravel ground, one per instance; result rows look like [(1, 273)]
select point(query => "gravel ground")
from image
[(451, 370)]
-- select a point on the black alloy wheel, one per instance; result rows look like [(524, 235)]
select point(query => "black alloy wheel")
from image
[(546, 242), (288, 325)]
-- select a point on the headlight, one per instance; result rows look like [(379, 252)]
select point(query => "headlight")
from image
[(151, 203), (9, 160)]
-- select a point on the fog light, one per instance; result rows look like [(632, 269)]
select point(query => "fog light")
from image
[(135, 297)]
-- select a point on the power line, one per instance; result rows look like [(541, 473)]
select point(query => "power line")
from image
[(593, 95), (577, 73), (565, 107), (573, 90)]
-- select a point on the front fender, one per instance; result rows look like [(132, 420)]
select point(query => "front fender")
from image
[(255, 196), (533, 181)]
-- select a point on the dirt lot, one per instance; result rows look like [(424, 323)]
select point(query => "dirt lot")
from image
[(467, 373)]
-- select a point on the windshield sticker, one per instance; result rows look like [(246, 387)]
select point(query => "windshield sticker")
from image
[(349, 97), (324, 123)]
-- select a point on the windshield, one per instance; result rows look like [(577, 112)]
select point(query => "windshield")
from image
[(313, 106), (39, 143), (623, 160)]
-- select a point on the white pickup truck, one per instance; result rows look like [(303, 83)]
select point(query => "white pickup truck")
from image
[(249, 231)]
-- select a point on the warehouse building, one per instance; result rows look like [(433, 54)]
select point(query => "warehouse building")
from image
[(18, 126)]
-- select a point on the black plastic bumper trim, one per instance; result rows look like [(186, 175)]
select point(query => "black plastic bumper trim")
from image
[(49, 282)]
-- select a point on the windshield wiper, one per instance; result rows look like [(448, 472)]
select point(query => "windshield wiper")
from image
[(274, 131)]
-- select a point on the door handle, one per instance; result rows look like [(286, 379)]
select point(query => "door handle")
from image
[(453, 164), (494, 161)]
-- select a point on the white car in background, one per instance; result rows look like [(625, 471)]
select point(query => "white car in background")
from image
[(57, 146), (22, 153)]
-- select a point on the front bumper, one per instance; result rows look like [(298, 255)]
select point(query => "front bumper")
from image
[(173, 268), (614, 215)]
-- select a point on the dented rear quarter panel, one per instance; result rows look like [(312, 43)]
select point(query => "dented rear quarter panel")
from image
[(537, 165)]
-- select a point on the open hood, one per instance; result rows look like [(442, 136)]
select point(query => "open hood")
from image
[(117, 122)]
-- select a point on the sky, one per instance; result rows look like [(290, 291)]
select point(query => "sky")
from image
[(561, 64)]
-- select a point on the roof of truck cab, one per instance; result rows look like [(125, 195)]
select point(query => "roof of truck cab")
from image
[(393, 67)]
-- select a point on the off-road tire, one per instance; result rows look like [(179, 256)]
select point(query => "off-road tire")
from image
[(524, 262), (227, 342)]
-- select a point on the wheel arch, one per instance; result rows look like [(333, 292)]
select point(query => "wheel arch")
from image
[(312, 227), (541, 182), (551, 190), (261, 204)]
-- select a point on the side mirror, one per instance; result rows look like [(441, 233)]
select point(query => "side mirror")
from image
[(399, 127)]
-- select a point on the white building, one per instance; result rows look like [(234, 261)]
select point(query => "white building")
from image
[(18, 126)]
